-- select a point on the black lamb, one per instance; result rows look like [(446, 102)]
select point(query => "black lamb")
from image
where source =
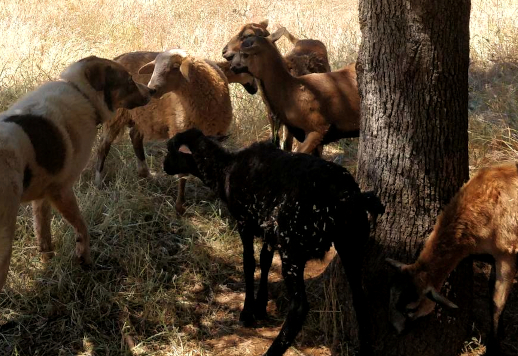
[(299, 204)]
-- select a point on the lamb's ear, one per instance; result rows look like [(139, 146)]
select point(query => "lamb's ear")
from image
[(398, 266), (277, 34), (263, 23), (184, 68), (440, 299), (185, 149), (147, 68)]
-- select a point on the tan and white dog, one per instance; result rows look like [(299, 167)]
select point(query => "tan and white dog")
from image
[(45, 142)]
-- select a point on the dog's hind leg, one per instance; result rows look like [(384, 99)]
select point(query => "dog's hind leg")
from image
[(8, 212), (137, 140), (42, 215), (65, 202)]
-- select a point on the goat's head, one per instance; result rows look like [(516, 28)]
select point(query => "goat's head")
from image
[(412, 295), (249, 58), (250, 29), (170, 69)]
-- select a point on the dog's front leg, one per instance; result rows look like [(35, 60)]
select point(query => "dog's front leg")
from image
[(65, 202), (7, 227), (42, 215)]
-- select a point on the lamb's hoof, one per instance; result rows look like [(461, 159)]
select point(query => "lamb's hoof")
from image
[(143, 173), (180, 209), (47, 256), (247, 319)]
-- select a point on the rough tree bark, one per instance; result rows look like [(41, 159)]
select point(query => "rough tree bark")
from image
[(413, 152)]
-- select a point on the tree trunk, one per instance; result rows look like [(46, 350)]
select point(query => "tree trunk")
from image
[(413, 80)]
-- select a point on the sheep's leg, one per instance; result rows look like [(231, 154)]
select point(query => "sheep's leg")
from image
[(293, 274), (180, 199), (247, 314), (262, 294), (137, 140), (42, 215), (111, 130), (288, 140), (352, 261), (65, 202), (312, 140), (505, 270)]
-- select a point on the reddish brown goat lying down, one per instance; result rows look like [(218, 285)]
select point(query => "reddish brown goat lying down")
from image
[(482, 219)]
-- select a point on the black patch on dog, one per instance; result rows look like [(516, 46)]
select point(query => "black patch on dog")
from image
[(108, 98), (27, 177), (46, 140)]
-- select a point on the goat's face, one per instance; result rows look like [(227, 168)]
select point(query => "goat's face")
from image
[(120, 91), (254, 53), (170, 70), (411, 296), (179, 159), (248, 30)]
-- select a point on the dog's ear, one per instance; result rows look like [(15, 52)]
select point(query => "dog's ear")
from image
[(263, 23), (96, 76)]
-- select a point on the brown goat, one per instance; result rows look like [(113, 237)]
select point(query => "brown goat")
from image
[(308, 56), (482, 219), (317, 108), (165, 116)]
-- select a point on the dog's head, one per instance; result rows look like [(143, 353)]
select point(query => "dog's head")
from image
[(111, 79)]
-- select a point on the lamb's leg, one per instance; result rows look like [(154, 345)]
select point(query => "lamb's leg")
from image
[(262, 294), (352, 261), (137, 140), (180, 199), (505, 268), (42, 215), (293, 274), (65, 202), (247, 314), (312, 140), (288, 140), (111, 130)]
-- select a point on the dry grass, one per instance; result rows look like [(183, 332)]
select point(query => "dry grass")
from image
[(163, 285)]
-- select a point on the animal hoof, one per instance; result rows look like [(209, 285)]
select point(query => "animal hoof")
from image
[(98, 180), (246, 319), (143, 173), (47, 256), (180, 209)]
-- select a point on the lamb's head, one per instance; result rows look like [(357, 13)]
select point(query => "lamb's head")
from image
[(256, 54), (247, 30), (179, 159), (170, 70), (412, 295)]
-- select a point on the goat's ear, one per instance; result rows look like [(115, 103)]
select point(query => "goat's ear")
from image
[(277, 34), (184, 67), (185, 149), (264, 23), (440, 299), (398, 266), (147, 68)]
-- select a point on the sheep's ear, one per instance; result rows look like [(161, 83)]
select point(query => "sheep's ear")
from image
[(277, 34), (185, 149), (440, 299), (264, 23), (147, 68), (184, 68), (398, 266)]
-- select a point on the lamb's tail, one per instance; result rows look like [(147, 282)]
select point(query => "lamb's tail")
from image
[(373, 204)]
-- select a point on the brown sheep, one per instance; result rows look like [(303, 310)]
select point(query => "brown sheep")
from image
[(175, 111), (308, 56), (482, 219), (317, 108)]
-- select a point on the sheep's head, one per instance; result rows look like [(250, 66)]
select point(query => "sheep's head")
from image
[(179, 159), (250, 29), (250, 58), (411, 296), (170, 70)]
